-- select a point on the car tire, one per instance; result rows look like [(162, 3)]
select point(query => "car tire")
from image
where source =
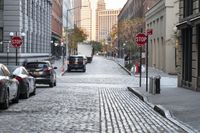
[(5, 105), (51, 84), (34, 91), (55, 83), (16, 100), (26, 95)]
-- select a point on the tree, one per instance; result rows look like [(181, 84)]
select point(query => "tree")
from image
[(97, 46), (127, 30), (76, 35)]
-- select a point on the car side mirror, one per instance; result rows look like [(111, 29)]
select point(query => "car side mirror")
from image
[(54, 67)]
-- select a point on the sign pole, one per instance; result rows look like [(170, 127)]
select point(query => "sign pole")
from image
[(147, 56), (140, 66), (16, 56)]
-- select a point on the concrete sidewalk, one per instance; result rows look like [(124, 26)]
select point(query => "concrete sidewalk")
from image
[(178, 104)]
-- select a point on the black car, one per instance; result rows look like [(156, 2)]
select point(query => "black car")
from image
[(76, 62), (9, 90), (26, 81), (43, 72)]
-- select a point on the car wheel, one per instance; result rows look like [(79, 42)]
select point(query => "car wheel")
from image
[(51, 84), (5, 104), (16, 100), (26, 95), (34, 91), (55, 83)]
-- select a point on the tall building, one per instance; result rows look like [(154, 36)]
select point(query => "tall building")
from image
[(86, 18), (68, 23), (83, 16), (57, 25), (189, 45), (106, 20), (77, 12), (67, 15), (30, 17)]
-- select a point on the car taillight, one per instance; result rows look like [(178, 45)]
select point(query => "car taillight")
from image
[(18, 78), (80, 62)]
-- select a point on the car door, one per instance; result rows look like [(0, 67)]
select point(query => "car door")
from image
[(12, 82), (30, 79)]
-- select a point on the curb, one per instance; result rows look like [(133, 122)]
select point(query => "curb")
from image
[(123, 67), (164, 112)]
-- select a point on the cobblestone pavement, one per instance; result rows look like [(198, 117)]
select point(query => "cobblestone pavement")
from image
[(91, 102), (122, 112)]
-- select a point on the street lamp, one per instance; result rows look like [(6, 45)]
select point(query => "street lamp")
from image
[(68, 22)]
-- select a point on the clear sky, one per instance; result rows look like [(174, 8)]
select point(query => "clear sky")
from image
[(115, 4)]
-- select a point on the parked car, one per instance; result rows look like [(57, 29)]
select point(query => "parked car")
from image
[(9, 89), (76, 62), (43, 72), (26, 81)]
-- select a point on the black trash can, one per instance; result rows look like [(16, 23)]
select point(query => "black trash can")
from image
[(157, 83)]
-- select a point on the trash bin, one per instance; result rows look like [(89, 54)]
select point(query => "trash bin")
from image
[(154, 85), (157, 84)]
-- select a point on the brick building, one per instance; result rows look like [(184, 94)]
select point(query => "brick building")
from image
[(56, 27)]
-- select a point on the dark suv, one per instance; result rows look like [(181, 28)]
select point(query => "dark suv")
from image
[(43, 72), (76, 62)]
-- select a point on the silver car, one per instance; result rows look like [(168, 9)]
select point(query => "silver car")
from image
[(9, 90), (26, 81)]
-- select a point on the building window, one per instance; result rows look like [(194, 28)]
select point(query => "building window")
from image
[(188, 8), (187, 54), (1, 4), (1, 39)]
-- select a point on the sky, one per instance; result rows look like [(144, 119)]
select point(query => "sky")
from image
[(115, 4), (110, 5)]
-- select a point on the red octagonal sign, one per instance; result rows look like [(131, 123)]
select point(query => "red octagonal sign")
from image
[(140, 39), (16, 41)]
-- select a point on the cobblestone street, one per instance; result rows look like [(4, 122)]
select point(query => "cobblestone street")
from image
[(91, 102)]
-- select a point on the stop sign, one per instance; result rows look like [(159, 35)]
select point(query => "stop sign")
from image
[(140, 39), (16, 41)]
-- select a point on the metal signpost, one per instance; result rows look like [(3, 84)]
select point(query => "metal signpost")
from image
[(149, 32), (16, 41), (140, 41)]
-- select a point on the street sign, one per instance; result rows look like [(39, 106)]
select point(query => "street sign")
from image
[(149, 32), (140, 39), (16, 41)]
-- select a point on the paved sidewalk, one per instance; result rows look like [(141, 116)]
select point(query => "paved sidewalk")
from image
[(181, 104)]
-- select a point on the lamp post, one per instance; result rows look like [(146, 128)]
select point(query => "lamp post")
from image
[(68, 21)]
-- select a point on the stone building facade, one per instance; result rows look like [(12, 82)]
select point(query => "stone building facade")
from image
[(189, 45), (162, 18), (106, 20), (32, 17)]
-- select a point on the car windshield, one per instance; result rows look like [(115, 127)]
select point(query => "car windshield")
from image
[(36, 65), (14, 69)]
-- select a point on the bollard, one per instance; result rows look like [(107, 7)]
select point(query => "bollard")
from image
[(157, 84), (151, 85)]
